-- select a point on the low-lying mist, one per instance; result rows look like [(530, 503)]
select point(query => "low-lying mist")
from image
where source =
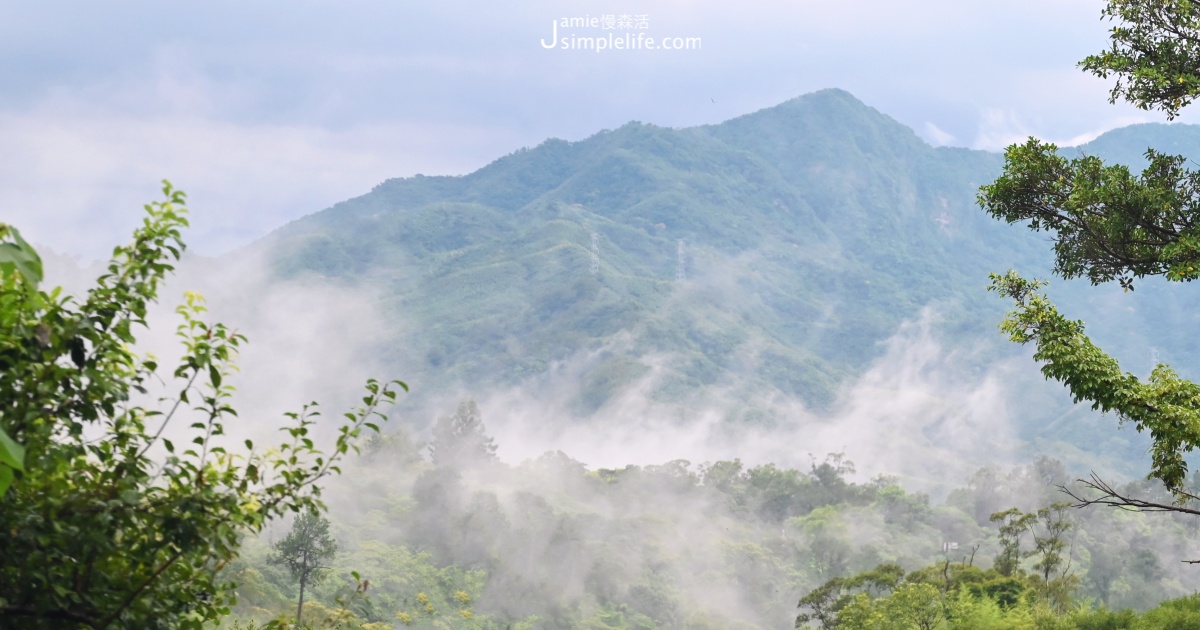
[(918, 412), (923, 412), (678, 514)]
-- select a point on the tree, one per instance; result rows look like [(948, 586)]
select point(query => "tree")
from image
[(1155, 54), (304, 552), (1049, 530), (106, 521), (1012, 523), (1109, 224), (461, 440), (825, 603)]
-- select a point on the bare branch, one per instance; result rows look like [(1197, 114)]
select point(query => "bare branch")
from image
[(1111, 497)]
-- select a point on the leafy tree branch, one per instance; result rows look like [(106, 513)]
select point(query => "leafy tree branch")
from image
[(98, 533)]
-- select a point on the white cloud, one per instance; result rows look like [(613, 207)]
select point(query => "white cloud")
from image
[(76, 180), (937, 136), (917, 412), (1105, 127), (265, 114), (308, 339), (999, 128)]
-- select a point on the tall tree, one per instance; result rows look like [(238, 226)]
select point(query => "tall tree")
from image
[(1012, 524), (106, 522), (305, 552), (1049, 539), (1109, 224), (461, 440)]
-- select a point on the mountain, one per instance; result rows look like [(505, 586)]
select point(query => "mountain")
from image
[(769, 254), (1127, 145)]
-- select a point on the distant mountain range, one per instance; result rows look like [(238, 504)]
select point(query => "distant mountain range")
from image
[(769, 254)]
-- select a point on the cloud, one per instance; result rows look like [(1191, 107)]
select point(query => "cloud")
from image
[(999, 128), (76, 180), (309, 339), (1105, 127), (918, 411), (264, 115), (937, 136)]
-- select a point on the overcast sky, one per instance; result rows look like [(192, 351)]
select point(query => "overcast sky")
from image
[(265, 111)]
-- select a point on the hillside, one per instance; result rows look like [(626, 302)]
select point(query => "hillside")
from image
[(768, 255)]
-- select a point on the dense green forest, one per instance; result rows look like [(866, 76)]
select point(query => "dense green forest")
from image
[(718, 269), (778, 256), (463, 540), (428, 528)]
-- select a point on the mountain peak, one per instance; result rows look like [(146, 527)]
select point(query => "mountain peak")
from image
[(827, 95), (831, 105), (830, 126)]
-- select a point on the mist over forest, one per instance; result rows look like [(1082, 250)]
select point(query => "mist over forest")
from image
[(686, 378)]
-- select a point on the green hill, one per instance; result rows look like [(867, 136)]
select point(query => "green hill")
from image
[(771, 253)]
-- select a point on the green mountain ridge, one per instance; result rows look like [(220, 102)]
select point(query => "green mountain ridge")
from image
[(1127, 145), (768, 254)]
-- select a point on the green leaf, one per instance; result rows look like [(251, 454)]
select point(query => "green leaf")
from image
[(11, 453), (22, 258), (6, 479)]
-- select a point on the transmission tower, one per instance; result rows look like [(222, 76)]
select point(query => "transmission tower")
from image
[(680, 259), (595, 269)]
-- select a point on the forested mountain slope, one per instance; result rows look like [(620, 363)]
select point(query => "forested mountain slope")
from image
[(769, 257), (473, 543), (769, 254)]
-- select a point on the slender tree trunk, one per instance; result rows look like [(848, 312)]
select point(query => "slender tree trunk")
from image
[(300, 606), (303, 579)]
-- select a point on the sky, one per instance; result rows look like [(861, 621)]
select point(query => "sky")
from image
[(265, 111)]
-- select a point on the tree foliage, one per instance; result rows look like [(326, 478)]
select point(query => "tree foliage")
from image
[(1012, 524), (107, 522), (954, 595), (1108, 224), (826, 603), (18, 262), (305, 552), (461, 440), (1049, 530), (1154, 53), (1165, 405), (551, 543)]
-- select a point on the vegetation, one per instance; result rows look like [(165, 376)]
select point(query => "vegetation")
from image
[(790, 253), (552, 544), (461, 438), (1155, 54), (113, 515), (768, 254), (1110, 225), (811, 231), (304, 552), (953, 596)]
